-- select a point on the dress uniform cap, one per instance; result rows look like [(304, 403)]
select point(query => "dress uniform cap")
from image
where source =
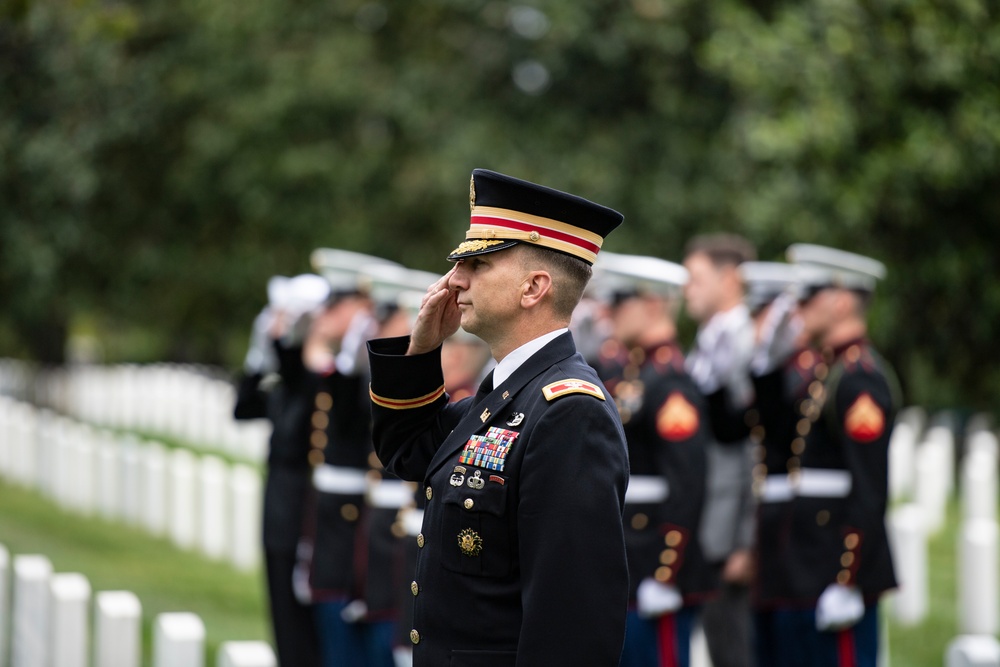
[(394, 284), (341, 268), (300, 294), (765, 281), (619, 275), (820, 266), (507, 211)]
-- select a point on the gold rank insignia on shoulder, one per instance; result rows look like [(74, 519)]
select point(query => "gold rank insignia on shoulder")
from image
[(474, 245), (571, 386)]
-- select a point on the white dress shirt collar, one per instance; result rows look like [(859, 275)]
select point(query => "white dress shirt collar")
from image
[(506, 367)]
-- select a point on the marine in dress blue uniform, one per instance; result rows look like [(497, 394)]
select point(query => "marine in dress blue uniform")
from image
[(521, 557), (834, 559), (354, 617), (666, 426)]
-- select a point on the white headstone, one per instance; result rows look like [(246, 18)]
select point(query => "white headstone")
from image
[(29, 634), (183, 499), (133, 476), (215, 523), (943, 437), (979, 485), (909, 551), (902, 461), (154, 488), (109, 476), (245, 490), (178, 640), (68, 629), (117, 630), (978, 584), (984, 441), (973, 651), (246, 654), (933, 483)]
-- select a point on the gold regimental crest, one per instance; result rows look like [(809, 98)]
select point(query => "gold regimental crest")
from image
[(472, 192), (474, 245), (469, 542)]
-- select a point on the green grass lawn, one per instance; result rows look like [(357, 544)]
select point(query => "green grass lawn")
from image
[(115, 557)]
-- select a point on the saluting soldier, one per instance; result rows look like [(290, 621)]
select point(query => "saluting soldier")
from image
[(521, 554), (666, 426), (277, 386), (335, 551), (834, 561), (782, 370)]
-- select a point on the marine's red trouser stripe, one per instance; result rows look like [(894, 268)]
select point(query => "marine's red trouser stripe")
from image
[(667, 639), (845, 649)]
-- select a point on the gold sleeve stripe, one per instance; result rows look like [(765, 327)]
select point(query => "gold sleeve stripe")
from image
[(406, 404), (566, 387)]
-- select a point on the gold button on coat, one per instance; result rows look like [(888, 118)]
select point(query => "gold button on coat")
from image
[(429, 493), (414, 636), (420, 540), (468, 504), (414, 588)]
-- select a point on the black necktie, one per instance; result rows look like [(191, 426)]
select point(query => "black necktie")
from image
[(485, 387)]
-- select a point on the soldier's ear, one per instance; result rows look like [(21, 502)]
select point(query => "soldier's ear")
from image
[(534, 287)]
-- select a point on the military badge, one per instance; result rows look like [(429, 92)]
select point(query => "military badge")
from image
[(488, 450), (864, 421), (677, 419), (476, 481), (571, 386), (515, 419), (470, 543), (457, 476)]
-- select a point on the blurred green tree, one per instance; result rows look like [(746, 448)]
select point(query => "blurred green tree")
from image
[(160, 160)]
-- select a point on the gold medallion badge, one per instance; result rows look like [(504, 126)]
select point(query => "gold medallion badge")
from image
[(469, 542)]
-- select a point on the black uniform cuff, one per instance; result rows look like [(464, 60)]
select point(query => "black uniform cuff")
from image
[(400, 381)]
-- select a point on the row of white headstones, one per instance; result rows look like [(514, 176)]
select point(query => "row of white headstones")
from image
[(198, 500), (922, 481), (50, 625)]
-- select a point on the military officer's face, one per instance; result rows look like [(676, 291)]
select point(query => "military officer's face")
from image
[(488, 292)]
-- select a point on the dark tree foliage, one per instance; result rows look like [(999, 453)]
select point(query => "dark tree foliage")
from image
[(160, 160)]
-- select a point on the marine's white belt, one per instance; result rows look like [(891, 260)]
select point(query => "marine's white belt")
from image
[(646, 489), (823, 483), (413, 521), (338, 479), (776, 489), (389, 494)]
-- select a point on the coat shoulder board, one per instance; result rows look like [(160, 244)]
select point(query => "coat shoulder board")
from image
[(571, 386)]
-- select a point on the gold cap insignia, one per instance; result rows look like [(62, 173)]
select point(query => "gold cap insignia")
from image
[(472, 192), (469, 542), (473, 246)]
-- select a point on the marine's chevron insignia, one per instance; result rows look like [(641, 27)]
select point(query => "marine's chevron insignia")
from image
[(571, 386)]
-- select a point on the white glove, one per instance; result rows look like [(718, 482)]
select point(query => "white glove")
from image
[(354, 611), (778, 335), (655, 599), (839, 607)]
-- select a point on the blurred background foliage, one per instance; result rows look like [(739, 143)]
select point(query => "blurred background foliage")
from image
[(159, 160)]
